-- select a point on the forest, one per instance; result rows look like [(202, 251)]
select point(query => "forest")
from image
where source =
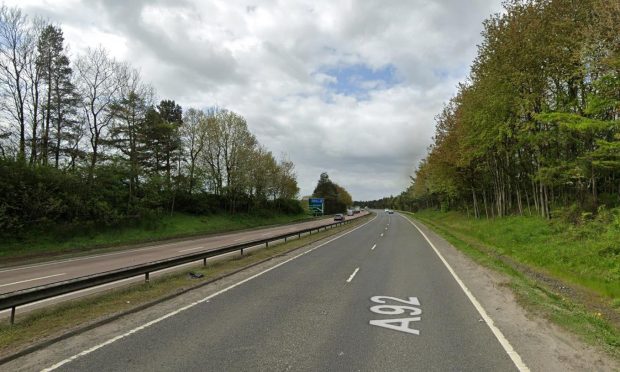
[(534, 129), (85, 140)]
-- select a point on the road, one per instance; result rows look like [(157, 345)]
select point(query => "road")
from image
[(320, 311), (26, 276)]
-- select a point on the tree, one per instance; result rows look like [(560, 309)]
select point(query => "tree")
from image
[(336, 197), (61, 99), (127, 130), (172, 117), (193, 133), (98, 86), (16, 44)]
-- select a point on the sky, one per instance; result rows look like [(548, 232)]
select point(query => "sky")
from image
[(344, 87)]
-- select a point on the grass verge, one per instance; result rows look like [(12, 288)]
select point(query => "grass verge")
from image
[(179, 225), (509, 246), (44, 324)]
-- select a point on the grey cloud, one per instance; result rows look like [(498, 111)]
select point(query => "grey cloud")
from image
[(261, 60)]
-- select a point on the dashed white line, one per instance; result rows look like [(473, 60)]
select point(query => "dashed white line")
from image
[(353, 275), (381, 234), (191, 249), (31, 280), (175, 312), (373, 247)]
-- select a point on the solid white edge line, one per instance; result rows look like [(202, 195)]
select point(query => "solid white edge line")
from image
[(353, 275), (514, 356), (31, 280), (373, 247), (155, 321)]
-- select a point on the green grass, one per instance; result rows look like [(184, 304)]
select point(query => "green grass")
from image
[(167, 227), (587, 255), (56, 319), (568, 253)]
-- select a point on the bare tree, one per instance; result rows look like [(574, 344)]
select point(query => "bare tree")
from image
[(16, 44), (97, 76), (194, 137)]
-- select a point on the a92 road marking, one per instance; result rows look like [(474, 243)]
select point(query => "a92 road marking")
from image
[(412, 308)]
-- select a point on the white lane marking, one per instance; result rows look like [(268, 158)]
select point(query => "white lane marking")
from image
[(139, 278), (86, 258), (373, 247), (215, 238), (353, 275), (516, 358), (386, 228), (191, 249), (381, 234), (175, 312), (31, 280)]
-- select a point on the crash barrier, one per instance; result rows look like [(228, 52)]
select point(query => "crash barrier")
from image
[(12, 300)]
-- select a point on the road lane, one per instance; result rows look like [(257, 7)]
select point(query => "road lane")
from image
[(21, 277), (304, 315)]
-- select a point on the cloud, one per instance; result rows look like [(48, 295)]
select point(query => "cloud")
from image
[(347, 87)]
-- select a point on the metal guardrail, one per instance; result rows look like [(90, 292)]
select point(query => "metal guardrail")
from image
[(12, 300)]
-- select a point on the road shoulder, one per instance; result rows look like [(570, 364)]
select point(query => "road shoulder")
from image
[(542, 345)]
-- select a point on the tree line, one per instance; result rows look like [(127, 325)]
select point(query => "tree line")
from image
[(536, 124), (84, 140)]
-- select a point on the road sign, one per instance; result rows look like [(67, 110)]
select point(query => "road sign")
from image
[(316, 205)]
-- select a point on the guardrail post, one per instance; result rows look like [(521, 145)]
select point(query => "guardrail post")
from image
[(242, 251), (285, 239), (266, 244), (13, 315), (146, 277), (204, 261), (299, 236)]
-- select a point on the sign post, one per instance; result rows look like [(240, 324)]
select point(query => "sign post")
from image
[(316, 205)]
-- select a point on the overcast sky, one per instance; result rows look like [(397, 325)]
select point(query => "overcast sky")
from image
[(346, 87)]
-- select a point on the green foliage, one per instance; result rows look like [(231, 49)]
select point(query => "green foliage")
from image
[(70, 238), (537, 123), (337, 199), (101, 153)]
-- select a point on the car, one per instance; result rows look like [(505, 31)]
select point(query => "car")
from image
[(390, 211), (339, 217)]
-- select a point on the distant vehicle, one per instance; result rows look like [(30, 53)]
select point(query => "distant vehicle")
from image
[(390, 211), (339, 217), (386, 210), (349, 212), (356, 210)]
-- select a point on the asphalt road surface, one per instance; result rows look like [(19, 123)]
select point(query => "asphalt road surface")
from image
[(27, 276), (376, 299)]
